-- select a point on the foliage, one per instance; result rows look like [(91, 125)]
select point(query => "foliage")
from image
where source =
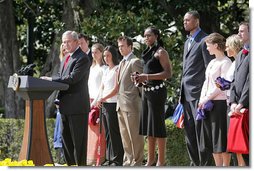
[(1, 112), (239, 11), (110, 19), (46, 17), (11, 133), (176, 148), (108, 27)]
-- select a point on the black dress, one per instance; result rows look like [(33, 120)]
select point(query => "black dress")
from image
[(152, 118)]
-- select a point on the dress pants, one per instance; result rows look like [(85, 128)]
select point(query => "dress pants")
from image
[(133, 143), (75, 138), (192, 129), (114, 142)]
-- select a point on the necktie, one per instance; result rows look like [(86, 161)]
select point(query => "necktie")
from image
[(123, 61), (66, 61), (189, 43), (121, 68)]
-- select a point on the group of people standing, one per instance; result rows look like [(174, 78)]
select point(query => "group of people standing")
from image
[(130, 112), (133, 95), (204, 60)]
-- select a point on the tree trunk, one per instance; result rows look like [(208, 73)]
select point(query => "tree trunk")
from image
[(14, 106)]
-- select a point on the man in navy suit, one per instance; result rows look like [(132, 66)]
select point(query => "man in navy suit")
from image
[(239, 94), (195, 60), (74, 104), (84, 45)]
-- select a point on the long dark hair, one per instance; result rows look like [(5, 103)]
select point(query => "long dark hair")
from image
[(114, 53)]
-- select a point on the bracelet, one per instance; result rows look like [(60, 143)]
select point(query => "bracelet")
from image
[(147, 77)]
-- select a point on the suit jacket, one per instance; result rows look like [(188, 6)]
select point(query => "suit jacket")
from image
[(128, 98), (75, 100), (90, 57), (195, 62), (240, 87)]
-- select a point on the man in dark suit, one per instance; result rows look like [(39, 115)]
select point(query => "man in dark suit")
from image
[(74, 103), (195, 60), (84, 45), (239, 94)]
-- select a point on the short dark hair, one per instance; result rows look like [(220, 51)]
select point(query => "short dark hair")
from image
[(245, 23), (194, 13), (81, 35), (128, 40)]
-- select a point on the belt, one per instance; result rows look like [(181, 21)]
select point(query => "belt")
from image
[(152, 88)]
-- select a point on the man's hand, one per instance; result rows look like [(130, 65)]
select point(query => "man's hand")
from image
[(238, 108), (235, 108)]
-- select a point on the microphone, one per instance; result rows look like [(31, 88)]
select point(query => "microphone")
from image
[(28, 70)]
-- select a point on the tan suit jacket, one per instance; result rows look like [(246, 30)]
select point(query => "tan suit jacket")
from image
[(129, 108), (129, 99)]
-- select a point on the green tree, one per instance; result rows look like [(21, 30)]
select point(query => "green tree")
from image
[(104, 21), (9, 61)]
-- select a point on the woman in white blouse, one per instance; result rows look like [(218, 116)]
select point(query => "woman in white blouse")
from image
[(214, 126), (94, 82), (108, 96), (96, 70), (234, 45)]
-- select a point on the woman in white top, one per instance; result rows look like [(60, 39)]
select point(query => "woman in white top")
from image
[(213, 127), (108, 96), (234, 45), (94, 82), (96, 70)]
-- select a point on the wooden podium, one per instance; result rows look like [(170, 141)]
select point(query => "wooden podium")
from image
[(35, 91)]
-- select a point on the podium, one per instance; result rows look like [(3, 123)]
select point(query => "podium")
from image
[(35, 91)]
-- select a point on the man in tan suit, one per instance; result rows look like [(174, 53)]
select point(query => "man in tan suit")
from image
[(129, 105)]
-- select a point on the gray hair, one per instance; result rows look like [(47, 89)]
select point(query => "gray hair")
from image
[(73, 34)]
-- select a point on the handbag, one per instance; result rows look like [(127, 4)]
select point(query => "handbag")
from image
[(94, 115), (238, 133), (222, 83), (178, 116)]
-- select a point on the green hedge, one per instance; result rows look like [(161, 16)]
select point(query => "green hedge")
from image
[(11, 133)]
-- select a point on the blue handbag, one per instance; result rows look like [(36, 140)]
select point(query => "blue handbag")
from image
[(222, 83)]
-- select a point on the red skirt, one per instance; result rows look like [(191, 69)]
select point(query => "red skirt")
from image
[(238, 133), (96, 148)]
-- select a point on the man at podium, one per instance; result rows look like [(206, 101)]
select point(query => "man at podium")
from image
[(74, 102)]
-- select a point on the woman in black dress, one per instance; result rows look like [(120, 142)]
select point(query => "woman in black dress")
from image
[(157, 67)]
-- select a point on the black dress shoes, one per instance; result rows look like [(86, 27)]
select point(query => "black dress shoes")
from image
[(106, 163)]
